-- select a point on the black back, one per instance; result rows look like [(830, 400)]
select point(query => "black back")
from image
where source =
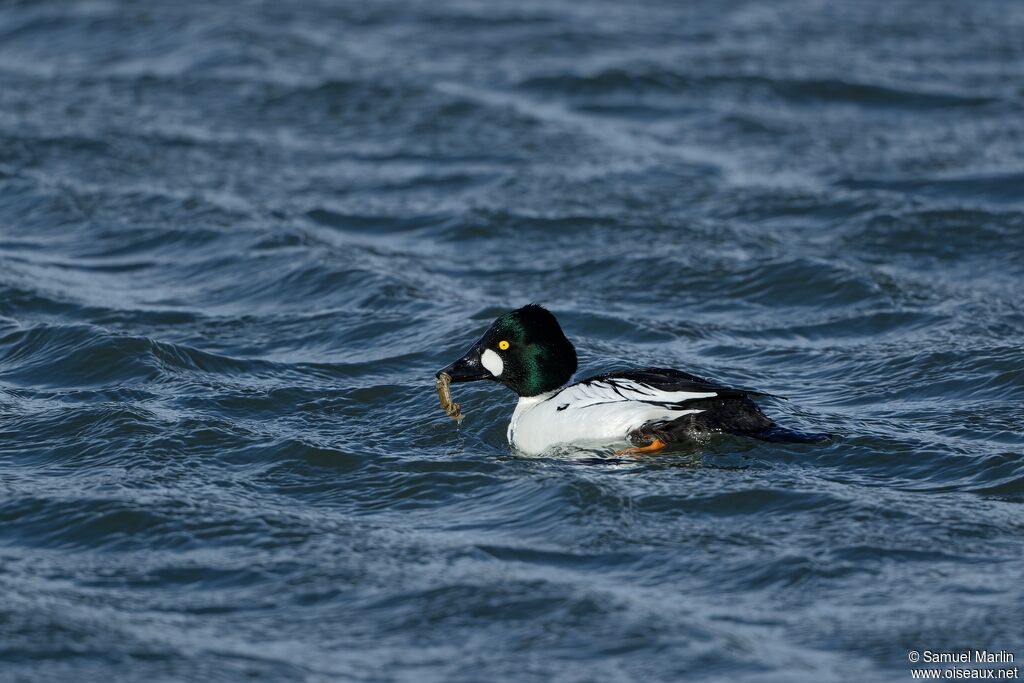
[(667, 379)]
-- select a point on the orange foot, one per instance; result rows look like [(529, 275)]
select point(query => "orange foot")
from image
[(652, 447)]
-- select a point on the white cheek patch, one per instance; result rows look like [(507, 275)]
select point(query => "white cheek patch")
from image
[(492, 362)]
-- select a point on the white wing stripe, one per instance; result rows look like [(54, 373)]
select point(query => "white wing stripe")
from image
[(596, 393)]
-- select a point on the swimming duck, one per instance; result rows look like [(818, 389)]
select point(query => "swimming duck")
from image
[(646, 409)]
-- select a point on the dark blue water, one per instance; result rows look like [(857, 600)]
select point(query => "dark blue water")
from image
[(237, 239)]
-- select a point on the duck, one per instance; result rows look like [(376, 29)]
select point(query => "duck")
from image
[(646, 410)]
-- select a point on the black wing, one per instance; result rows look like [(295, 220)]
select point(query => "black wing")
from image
[(667, 379), (730, 410)]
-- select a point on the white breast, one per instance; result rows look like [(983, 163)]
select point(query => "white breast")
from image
[(595, 412)]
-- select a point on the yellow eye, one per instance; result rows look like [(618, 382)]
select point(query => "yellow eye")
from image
[(503, 345)]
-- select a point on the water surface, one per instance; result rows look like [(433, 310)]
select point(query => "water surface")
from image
[(236, 241)]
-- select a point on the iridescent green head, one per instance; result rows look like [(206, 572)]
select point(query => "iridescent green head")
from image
[(524, 349)]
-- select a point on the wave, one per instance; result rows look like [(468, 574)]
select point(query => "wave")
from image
[(654, 79)]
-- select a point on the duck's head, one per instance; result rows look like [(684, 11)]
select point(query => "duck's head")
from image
[(524, 349)]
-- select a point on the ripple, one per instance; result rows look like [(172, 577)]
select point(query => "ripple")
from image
[(647, 79), (999, 187)]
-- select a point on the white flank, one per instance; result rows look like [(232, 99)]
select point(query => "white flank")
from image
[(595, 412), (492, 362)]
